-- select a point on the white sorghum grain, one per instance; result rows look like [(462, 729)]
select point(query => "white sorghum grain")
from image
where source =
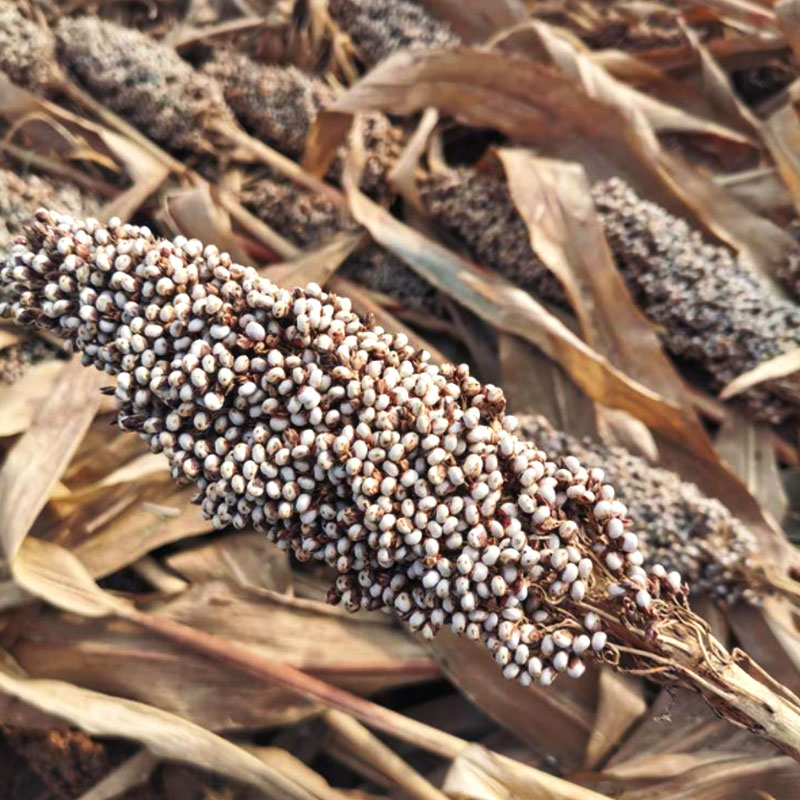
[(351, 522)]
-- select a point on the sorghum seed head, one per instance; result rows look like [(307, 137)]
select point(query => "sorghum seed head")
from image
[(305, 478)]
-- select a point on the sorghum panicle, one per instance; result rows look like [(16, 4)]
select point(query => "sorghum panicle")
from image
[(379, 28), (678, 525), (344, 443), (276, 104), (27, 50), (279, 105), (144, 81), (19, 198), (709, 307)]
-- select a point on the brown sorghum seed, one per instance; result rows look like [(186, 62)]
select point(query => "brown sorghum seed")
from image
[(276, 104), (709, 307)]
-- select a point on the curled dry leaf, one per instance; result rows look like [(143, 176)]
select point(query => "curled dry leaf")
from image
[(48, 571), (599, 84), (36, 461)]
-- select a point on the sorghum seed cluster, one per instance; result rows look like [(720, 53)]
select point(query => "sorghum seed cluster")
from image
[(142, 80), (378, 28), (27, 50), (678, 525), (712, 310), (279, 104), (276, 104), (344, 443), (19, 198)]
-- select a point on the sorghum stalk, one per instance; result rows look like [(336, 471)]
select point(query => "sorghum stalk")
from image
[(709, 307), (291, 414)]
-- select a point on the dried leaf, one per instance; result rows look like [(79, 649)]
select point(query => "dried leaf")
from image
[(599, 84), (118, 658), (748, 449), (317, 265), (36, 461), (769, 634), (726, 778), (163, 513), (347, 650), (19, 403), (134, 771), (621, 703), (196, 215), (520, 709), (475, 20), (538, 385), (53, 574), (397, 772), (246, 559), (779, 367), (165, 735), (478, 775)]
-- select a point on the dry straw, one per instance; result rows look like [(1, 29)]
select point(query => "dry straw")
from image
[(346, 445)]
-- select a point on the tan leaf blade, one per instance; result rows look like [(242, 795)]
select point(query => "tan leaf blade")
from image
[(520, 710), (20, 402), (37, 460), (478, 774), (779, 367), (54, 574), (165, 735)]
